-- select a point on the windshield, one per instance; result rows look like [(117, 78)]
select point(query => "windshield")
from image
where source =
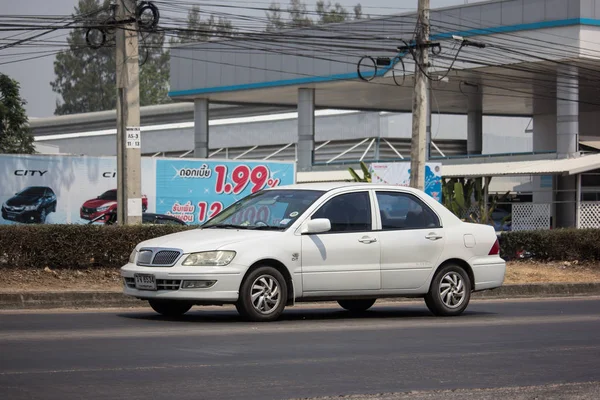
[(33, 191), (110, 195), (269, 209)]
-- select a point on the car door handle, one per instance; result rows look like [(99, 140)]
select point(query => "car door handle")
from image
[(367, 239), (433, 236)]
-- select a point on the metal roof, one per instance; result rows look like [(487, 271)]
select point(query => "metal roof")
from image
[(565, 166)]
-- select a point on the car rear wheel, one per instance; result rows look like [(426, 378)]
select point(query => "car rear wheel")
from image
[(450, 291), (263, 295), (356, 306), (170, 308)]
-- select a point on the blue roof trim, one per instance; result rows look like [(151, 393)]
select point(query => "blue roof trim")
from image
[(383, 71), (284, 82), (519, 27)]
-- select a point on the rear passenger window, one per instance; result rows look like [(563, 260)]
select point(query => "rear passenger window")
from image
[(405, 211)]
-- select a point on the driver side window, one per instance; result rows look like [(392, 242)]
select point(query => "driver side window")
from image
[(350, 212)]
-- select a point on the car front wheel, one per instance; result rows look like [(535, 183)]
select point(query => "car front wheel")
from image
[(42, 215), (263, 295), (170, 308), (450, 291)]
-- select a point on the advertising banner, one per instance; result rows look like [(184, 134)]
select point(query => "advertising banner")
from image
[(398, 173), (63, 189), (76, 190), (197, 190)]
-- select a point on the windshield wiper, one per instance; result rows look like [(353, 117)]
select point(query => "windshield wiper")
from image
[(227, 226), (265, 228)]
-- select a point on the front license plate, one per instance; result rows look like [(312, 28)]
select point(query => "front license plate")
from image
[(145, 282)]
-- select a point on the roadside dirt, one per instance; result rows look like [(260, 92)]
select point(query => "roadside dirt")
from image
[(108, 279)]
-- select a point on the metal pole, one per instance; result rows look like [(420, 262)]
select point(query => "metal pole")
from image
[(129, 182), (578, 203), (428, 125), (419, 108)]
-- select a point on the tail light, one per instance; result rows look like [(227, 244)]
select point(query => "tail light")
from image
[(495, 248)]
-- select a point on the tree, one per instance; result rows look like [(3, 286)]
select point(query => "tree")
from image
[(274, 21), (298, 15), (15, 136), (202, 30), (358, 12), (329, 14), (85, 78)]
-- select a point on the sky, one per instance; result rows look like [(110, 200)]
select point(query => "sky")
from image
[(35, 75)]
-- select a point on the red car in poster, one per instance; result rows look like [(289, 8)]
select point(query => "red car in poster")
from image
[(104, 204)]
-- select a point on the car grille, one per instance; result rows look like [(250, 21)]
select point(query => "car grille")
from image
[(158, 257), (88, 210), (165, 257), (161, 284), (14, 208)]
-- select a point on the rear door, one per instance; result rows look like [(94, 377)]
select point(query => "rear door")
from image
[(412, 240), (347, 257)]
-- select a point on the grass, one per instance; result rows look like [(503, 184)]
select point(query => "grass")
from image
[(108, 279)]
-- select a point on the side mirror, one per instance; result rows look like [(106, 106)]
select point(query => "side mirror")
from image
[(317, 225)]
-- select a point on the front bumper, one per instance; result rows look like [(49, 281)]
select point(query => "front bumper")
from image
[(91, 216), (20, 216), (226, 288)]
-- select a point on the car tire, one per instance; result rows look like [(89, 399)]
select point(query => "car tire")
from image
[(170, 308), (42, 216), (357, 306), (449, 292), (54, 207), (269, 289)]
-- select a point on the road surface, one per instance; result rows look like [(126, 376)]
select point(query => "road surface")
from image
[(315, 351)]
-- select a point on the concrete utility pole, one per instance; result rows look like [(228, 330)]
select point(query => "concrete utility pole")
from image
[(419, 108), (129, 182)]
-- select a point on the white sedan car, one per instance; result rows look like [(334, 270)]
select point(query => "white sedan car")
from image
[(352, 243)]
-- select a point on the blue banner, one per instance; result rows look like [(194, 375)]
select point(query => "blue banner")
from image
[(197, 190)]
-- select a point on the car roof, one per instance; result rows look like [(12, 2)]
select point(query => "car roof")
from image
[(329, 186)]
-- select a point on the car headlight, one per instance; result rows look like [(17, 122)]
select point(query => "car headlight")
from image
[(103, 208), (30, 208), (132, 256), (209, 258)]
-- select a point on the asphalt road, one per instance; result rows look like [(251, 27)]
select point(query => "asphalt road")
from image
[(312, 352)]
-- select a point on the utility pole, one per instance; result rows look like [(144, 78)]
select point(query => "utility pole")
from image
[(419, 107), (129, 182)]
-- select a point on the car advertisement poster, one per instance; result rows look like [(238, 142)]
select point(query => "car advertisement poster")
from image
[(398, 173), (62, 189), (55, 189), (197, 190)]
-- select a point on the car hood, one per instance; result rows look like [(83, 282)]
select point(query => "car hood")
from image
[(95, 203), (206, 239), (22, 201)]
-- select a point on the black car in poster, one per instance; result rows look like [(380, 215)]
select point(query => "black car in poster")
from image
[(30, 205)]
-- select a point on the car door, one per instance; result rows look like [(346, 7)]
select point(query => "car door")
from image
[(347, 257), (411, 237)]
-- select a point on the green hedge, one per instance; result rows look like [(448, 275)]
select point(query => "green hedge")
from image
[(73, 246), (555, 244), (84, 246)]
